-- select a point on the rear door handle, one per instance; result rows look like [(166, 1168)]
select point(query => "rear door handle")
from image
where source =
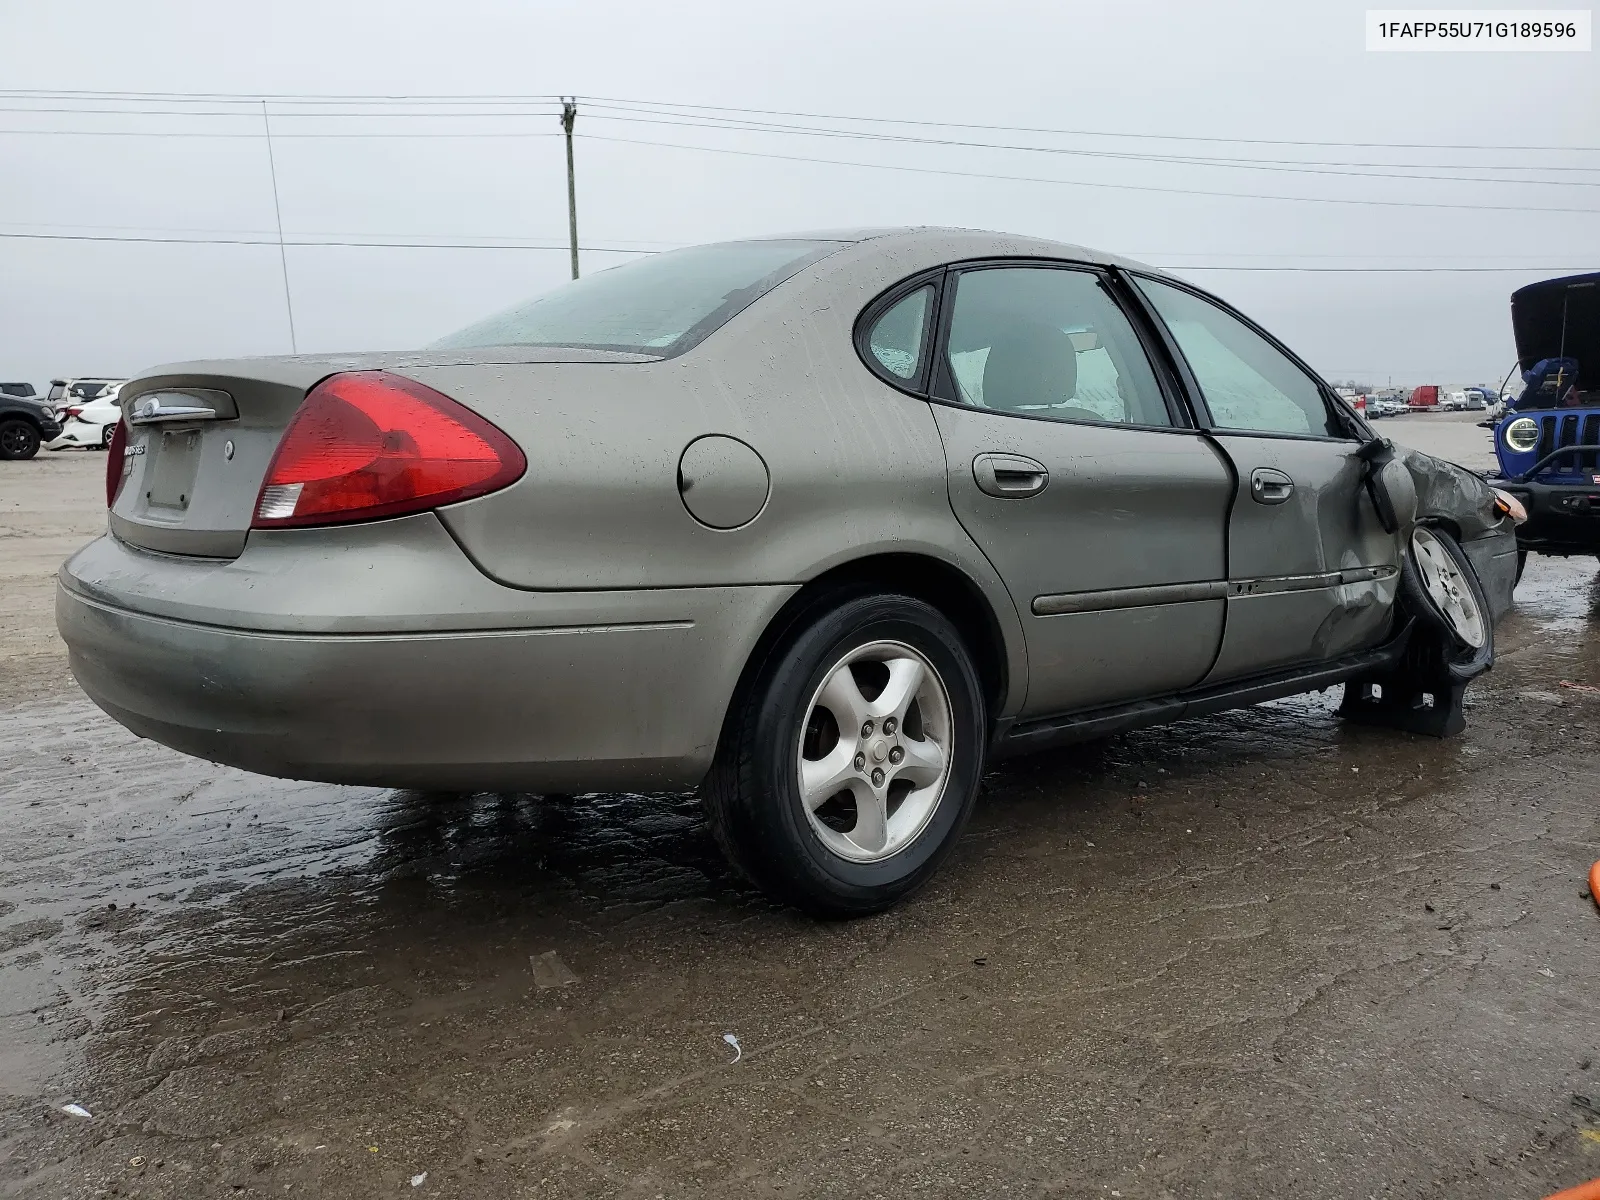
[(1269, 486), (1009, 476)]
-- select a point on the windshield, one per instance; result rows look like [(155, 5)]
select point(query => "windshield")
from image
[(660, 305)]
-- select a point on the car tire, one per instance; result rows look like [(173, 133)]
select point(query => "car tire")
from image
[(107, 432), (18, 440), (1449, 603), (865, 846), (1522, 564)]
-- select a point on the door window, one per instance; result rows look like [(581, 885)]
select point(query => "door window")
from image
[(1051, 343), (1248, 383), (896, 337)]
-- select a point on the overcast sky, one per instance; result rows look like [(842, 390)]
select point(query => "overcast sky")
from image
[(1245, 70)]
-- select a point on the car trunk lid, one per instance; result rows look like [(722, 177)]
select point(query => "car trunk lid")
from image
[(201, 436)]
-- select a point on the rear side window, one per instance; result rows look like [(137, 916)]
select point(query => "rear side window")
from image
[(660, 305), (1248, 383), (897, 337), (57, 390), (1049, 342)]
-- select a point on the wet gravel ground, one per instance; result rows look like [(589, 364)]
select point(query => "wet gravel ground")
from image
[(1255, 955)]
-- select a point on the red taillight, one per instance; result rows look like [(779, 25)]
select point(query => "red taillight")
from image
[(73, 411), (116, 462), (370, 444)]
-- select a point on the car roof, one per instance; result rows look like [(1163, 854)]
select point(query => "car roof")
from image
[(963, 242)]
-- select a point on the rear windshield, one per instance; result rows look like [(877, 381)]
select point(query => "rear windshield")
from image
[(57, 390), (660, 305)]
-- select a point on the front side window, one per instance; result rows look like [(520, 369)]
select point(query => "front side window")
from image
[(1248, 383), (1052, 343), (896, 337), (660, 305)]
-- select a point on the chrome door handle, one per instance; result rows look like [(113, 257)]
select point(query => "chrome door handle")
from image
[(1269, 486), (1009, 476)]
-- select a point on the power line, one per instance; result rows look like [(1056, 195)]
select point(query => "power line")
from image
[(371, 100), (200, 133), (254, 98), (1283, 166), (640, 245), (1232, 160), (277, 212), (1180, 267), (641, 111), (1166, 137), (1131, 187), (311, 237), (231, 113), (1400, 171), (409, 245), (300, 242), (1183, 191)]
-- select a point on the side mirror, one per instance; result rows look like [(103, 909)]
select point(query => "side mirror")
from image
[(1389, 485)]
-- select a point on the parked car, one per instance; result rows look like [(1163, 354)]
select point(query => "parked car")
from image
[(64, 392), (91, 423), (26, 422), (1548, 439), (816, 524)]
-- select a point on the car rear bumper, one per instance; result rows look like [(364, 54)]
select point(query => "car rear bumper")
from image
[(1563, 518), (75, 433), (478, 687)]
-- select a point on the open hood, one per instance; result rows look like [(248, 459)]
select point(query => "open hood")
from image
[(1541, 312)]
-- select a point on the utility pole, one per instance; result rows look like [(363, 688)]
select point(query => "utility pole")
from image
[(569, 114), (277, 209)]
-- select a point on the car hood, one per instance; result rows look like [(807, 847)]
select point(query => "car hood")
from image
[(1559, 317)]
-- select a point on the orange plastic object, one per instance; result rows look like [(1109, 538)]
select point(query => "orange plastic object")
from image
[(1584, 1191), (1594, 894)]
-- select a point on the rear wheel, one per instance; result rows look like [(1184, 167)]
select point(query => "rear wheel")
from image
[(850, 764), (18, 439), (107, 432), (1443, 590)]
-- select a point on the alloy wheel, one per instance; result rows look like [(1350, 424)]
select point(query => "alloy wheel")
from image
[(1447, 587), (874, 751), (14, 439)]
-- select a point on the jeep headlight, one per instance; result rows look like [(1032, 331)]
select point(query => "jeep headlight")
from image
[(1521, 435)]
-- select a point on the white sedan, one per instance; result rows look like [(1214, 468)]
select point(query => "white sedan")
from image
[(90, 423)]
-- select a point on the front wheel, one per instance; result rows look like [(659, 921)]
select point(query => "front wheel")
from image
[(1441, 587), (850, 764)]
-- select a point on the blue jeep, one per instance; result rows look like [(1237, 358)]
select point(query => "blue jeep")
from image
[(1548, 442)]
